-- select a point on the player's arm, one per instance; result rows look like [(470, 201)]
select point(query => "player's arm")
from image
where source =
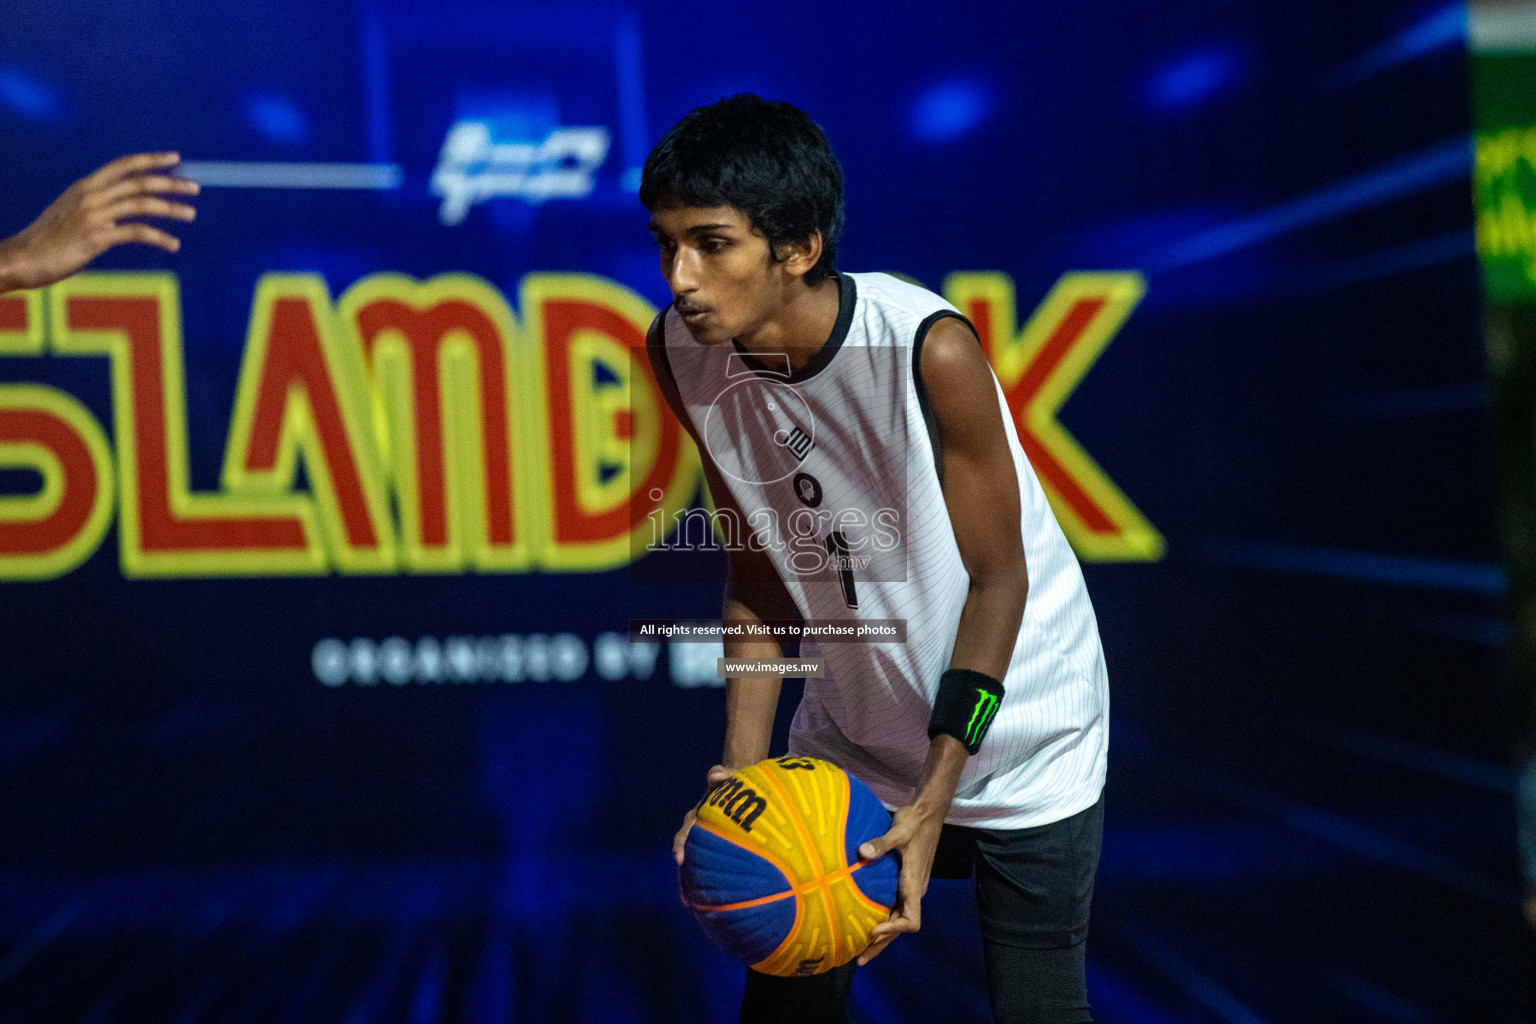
[(93, 215), (754, 593), (981, 491)]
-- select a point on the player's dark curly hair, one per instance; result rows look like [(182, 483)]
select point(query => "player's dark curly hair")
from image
[(767, 159)]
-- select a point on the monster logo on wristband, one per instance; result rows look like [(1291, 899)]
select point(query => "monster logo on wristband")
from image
[(986, 709), (965, 706)]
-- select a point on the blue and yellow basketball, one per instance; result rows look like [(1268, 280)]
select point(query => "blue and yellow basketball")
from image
[(772, 871)]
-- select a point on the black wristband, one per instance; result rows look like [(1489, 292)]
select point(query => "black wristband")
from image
[(966, 704)]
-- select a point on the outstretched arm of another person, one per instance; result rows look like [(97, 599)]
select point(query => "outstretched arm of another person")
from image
[(93, 215)]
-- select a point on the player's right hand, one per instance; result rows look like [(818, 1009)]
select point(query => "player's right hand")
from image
[(94, 214), (712, 778)]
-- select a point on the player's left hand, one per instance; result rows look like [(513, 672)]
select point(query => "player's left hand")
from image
[(914, 835)]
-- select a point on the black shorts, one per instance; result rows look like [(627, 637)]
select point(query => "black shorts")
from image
[(1033, 890)]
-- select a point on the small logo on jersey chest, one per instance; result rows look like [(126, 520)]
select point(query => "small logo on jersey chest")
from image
[(796, 440), (808, 489)]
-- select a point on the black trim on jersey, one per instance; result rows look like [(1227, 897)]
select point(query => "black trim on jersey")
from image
[(922, 391), (661, 366), (847, 297)]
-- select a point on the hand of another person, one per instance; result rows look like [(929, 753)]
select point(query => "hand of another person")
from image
[(95, 214)]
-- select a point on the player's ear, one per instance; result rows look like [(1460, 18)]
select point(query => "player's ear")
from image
[(800, 256)]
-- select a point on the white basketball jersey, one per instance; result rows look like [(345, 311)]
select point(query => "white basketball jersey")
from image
[(838, 459)]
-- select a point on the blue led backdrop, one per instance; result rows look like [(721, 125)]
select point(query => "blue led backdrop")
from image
[(317, 695)]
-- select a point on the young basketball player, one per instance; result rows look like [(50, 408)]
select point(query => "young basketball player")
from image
[(92, 216), (855, 417)]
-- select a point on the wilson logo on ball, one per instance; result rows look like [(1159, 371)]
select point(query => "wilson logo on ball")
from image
[(737, 802)]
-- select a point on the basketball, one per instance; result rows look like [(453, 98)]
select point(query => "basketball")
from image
[(771, 868)]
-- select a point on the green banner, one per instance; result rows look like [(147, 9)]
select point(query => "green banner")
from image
[(1503, 39)]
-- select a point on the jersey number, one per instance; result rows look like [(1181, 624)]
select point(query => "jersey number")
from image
[(839, 552)]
